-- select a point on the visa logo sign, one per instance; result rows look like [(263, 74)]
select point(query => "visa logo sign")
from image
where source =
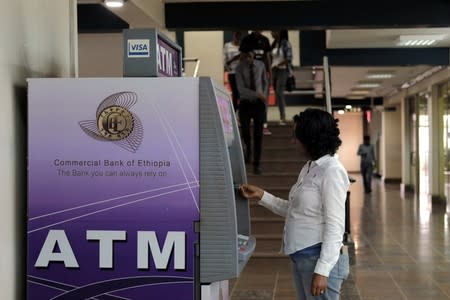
[(138, 48)]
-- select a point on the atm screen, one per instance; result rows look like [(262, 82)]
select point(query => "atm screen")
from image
[(224, 103)]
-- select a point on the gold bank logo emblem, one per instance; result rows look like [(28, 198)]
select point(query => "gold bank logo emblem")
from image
[(116, 123)]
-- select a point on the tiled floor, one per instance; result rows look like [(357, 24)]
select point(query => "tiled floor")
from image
[(401, 251)]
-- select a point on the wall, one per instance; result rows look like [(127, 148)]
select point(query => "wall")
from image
[(36, 42), (351, 127), (207, 47), (100, 55), (436, 188), (391, 156)]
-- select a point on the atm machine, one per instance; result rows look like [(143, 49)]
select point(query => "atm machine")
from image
[(226, 243), (132, 187)]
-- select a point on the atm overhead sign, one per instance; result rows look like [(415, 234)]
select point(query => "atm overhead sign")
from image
[(138, 48)]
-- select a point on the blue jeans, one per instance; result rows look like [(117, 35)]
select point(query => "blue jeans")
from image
[(279, 78), (303, 269)]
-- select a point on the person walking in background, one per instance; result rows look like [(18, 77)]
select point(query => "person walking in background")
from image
[(252, 84), (315, 211), (231, 57), (260, 45), (281, 68), (367, 153)]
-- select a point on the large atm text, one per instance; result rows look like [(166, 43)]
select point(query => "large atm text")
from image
[(146, 240)]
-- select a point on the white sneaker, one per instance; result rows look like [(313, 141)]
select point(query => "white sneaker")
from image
[(266, 131)]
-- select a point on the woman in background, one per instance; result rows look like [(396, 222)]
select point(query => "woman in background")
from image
[(281, 68), (231, 55)]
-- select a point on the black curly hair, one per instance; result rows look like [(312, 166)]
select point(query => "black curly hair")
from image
[(317, 130)]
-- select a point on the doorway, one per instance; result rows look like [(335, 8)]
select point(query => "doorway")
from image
[(419, 142), (444, 99)]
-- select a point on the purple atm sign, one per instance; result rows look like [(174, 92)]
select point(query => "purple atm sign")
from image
[(168, 59), (113, 188)]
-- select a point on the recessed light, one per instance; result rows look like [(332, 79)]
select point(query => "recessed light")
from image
[(354, 97), (359, 92), (368, 85), (419, 40), (380, 75), (114, 3)]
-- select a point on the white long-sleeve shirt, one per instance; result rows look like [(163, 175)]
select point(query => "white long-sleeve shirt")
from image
[(315, 212)]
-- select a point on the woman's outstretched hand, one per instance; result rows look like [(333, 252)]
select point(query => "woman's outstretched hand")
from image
[(251, 192)]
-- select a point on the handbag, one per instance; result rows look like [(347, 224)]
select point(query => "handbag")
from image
[(290, 83)]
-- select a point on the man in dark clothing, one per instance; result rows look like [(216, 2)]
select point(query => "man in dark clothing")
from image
[(252, 85), (260, 45), (367, 153)]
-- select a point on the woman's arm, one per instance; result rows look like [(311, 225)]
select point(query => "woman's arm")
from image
[(287, 51), (276, 205)]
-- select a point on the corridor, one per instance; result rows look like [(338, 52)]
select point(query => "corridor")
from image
[(401, 252)]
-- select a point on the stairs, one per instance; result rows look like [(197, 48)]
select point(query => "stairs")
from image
[(280, 165)]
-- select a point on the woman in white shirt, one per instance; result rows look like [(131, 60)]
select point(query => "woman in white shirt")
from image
[(315, 211), (281, 68)]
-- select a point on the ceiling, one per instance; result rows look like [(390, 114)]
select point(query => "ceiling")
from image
[(358, 46), (381, 38)]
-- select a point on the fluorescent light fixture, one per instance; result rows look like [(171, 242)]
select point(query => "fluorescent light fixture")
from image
[(423, 40), (405, 85), (368, 85), (114, 3), (355, 97), (360, 92), (380, 75), (420, 77), (348, 107), (341, 112)]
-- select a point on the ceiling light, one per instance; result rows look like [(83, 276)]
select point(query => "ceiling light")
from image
[(419, 40), (405, 85), (421, 77), (360, 92), (341, 112), (368, 85), (348, 107), (380, 75), (114, 3), (355, 97)]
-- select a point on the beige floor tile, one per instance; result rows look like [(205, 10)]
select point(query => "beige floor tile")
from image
[(445, 288), (441, 277), (252, 295), (255, 282), (284, 293), (421, 294), (369, 291)]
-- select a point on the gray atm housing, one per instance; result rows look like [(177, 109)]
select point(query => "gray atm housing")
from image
[(223, 212)]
